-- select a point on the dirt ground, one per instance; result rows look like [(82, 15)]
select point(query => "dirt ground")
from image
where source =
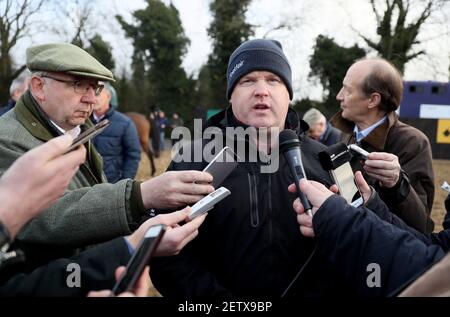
[(441, 173), (441, 170)]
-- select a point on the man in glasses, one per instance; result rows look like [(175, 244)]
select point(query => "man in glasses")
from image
[(64, 83)]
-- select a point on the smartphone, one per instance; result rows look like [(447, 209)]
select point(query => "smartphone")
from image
[(221, 166), (207, 203), (359, 152), (344, 178), (139, 260), (445, 186), (89, 134)]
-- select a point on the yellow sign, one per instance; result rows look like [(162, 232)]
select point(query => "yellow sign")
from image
[(443, 131)]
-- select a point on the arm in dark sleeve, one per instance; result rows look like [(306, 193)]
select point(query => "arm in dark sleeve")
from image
[(354, 239), (97, 272), (378, 207), (131, 151), (446, 223), (183, 276)]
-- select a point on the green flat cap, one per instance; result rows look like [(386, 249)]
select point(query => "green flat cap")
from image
[(66, 58)]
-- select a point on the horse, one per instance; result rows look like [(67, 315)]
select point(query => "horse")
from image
[(143, 128)]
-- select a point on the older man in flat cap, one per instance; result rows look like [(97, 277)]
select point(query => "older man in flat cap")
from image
[(64, 83)]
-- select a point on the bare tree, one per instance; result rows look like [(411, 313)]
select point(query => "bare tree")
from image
[(398, 28), (282, 22), (14, 18), (75, 21)]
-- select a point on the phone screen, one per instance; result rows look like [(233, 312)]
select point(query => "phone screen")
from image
[(221, 166), (89, 134), (139, 260), (344, 179)]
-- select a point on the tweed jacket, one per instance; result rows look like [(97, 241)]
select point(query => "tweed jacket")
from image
[(90, 211)]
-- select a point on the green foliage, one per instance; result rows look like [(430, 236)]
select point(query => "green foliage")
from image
[(329, 64), (227, 31), (101, 50), (159, 46), (303, 105)]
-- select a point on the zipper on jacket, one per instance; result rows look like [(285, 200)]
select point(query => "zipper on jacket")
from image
[(254, 215), (269, 193)]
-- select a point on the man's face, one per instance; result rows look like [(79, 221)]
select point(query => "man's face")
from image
[(317, 130), (261, 100), (66, 107), (102, 104), (354, 103)]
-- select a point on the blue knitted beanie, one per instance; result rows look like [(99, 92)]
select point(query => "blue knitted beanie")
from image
[(258, 55)]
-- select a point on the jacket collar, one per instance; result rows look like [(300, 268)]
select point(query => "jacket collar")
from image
[(35, 121), (377, 138), (107, 114), (32, 117)]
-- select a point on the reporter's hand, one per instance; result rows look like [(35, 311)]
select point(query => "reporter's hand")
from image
[(176, 189), (384, 167), (363, 187), (175, 237), (36, 180), (141, 289), (316, 193)]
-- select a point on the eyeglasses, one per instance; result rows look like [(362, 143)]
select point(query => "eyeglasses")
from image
[(80, 87)]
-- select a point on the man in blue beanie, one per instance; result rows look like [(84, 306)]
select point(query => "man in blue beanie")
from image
[(250, 243)]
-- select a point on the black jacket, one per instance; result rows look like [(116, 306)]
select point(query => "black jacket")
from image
[(97, 272), (442, 238), (331, 135), (250, 243), (446, 223), (352, 239)]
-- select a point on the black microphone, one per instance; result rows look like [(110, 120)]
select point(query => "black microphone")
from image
[(290, 147)]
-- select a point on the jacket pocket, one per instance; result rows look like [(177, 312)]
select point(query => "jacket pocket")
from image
[(253, 193)]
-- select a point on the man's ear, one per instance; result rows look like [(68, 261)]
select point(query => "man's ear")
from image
[(37, 88), (374, 100)]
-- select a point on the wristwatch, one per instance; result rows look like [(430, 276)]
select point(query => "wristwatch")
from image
[(5, 237)]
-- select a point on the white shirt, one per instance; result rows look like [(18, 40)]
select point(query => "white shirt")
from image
[(73, 133)]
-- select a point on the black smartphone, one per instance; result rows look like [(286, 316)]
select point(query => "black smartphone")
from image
[(89, 134), (139, 260), (221, 166)]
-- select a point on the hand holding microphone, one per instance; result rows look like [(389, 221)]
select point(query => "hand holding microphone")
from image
[(290, 147), (317, 194)]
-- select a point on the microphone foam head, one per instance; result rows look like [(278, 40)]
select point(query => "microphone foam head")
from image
[(288, 139)]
